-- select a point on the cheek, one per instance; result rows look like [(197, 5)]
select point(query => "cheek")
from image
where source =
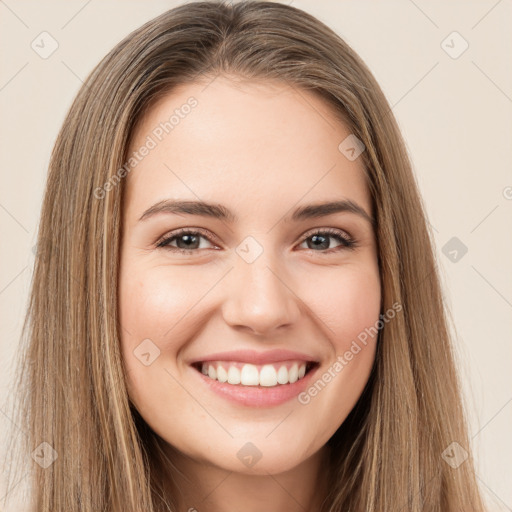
[(155, 306), (348, 301), (349, 307), (154, 303)]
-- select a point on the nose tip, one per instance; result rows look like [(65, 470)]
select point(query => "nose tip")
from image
[(260, 301)]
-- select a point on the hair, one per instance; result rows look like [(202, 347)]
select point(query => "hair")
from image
[(387, 454)]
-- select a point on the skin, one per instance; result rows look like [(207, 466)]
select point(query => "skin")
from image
[(261, 149)]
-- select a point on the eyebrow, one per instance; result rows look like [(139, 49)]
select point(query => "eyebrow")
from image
[(219, 211)]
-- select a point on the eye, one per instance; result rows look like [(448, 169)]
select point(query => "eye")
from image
[(320, 240), (187, 240)]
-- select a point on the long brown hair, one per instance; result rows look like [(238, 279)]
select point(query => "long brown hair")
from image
[(387, 455)]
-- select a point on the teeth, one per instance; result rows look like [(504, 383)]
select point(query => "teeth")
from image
[(249, 375), (268, 375), (282, 375), (293, 374), (222, 375), (233, 375)]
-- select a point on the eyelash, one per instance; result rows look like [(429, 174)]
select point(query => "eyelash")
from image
[(347, 242)]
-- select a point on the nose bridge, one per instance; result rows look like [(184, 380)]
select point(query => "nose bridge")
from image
[(258, 296)]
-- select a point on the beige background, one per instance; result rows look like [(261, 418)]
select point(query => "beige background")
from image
[(455, 114)]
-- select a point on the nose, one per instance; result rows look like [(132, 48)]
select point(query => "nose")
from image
[(258, 299)]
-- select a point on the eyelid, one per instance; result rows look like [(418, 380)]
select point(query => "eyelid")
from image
[(176, 233), (330, 231)]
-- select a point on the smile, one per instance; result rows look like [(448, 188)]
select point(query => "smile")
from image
[(254, 378), (246, 374)]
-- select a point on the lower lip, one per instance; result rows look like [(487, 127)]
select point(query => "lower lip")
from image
[(258, 396)]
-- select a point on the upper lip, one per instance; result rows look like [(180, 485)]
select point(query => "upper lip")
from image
[(255, 357)]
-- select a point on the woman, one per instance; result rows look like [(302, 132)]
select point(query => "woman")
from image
[(297, 357)]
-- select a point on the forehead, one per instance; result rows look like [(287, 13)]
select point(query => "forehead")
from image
[(252, 144)]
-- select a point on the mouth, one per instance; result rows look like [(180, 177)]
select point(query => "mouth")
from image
[(253, 378), (241, 374)]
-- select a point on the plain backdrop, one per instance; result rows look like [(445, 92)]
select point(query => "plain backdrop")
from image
[(445, 69)]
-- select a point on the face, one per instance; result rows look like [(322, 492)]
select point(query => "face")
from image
[(240, 320)]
